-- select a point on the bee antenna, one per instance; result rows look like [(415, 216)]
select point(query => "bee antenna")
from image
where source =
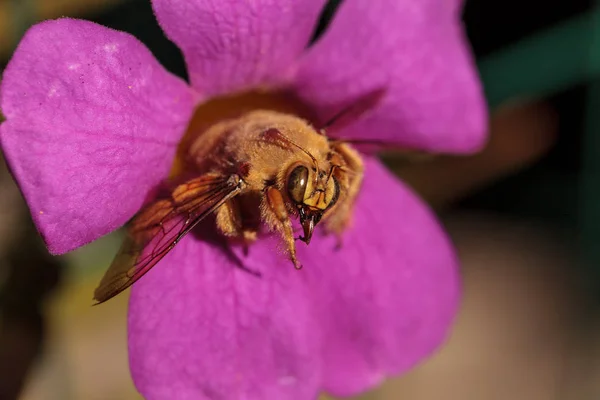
[(276, 132), (336, 117), (356, 109)]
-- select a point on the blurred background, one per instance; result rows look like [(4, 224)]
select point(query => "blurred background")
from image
[(524, 214)]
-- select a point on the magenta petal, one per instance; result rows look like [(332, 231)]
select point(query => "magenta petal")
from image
[(202, 328), (387, 298), (231, 45), (93, 121), (414, 49)]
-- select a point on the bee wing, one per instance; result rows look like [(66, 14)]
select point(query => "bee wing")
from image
[(356, 110), (157, 228), (383, 147)]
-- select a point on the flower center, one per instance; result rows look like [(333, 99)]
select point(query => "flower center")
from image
[(222, 108)]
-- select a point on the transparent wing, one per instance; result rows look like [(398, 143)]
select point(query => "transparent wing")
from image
[(157, 228)]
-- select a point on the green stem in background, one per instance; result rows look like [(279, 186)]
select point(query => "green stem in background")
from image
[(543, 64), (590, 179)]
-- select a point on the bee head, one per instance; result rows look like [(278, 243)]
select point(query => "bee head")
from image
[(312, 192)]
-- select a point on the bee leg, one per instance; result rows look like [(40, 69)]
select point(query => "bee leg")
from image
[(276, 217), (350, 180), (230, 222)]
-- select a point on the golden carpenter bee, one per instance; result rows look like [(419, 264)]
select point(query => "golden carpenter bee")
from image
[(263, 167)]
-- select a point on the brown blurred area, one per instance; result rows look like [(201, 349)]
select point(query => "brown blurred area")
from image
[(27, 275), (514, 338)]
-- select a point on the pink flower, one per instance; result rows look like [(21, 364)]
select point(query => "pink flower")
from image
[(92, 126)]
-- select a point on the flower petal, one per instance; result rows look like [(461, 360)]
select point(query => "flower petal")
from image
[(387, 298), (92, 124), (230, 46), (414, 49), (202, 328)]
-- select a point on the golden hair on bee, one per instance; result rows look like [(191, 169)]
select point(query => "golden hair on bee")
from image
[(261, 166)]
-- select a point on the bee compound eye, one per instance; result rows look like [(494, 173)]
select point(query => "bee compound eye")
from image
[(297, 182)]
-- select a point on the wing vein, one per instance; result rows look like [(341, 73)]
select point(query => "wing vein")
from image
[(148, 242)]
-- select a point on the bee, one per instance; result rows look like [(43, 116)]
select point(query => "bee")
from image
[(261, 168)]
